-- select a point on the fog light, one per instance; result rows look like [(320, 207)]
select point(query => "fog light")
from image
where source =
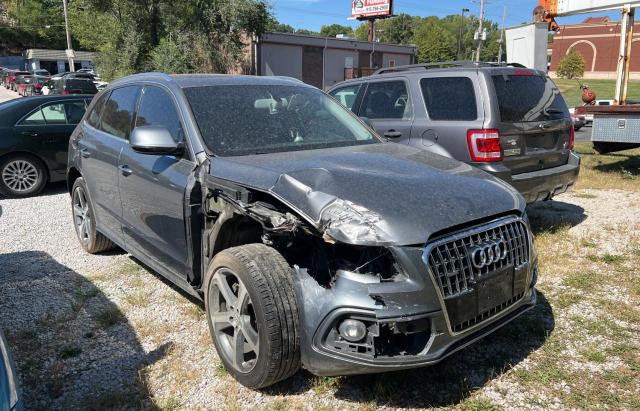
[(352, 330)]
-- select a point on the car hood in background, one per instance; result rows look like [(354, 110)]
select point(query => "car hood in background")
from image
[(378, 194)]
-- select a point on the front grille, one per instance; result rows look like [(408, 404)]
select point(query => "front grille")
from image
[(487, 314), (450, 259)]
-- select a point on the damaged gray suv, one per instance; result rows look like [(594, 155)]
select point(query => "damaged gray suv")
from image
[(312, 242)]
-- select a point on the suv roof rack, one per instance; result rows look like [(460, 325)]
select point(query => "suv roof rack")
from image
[(445, 64)]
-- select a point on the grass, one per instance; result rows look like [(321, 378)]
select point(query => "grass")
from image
[(619, 170), (109, 317), (604, 89)]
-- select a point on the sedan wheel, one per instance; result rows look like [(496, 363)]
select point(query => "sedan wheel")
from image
[(21, 176)]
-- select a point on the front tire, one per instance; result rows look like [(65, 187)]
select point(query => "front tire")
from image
[(84, 221), (253, 315), (22, 176)]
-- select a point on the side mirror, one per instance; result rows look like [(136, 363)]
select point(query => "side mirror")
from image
[(155, 140)]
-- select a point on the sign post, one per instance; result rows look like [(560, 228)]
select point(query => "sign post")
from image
[(371, 10)]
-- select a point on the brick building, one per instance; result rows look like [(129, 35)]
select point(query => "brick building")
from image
[(598, 40)]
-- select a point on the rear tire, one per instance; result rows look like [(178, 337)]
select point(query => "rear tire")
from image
[(250, 298), (22, 176), (84, 221)]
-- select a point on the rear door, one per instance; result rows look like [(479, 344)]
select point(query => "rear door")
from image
[(533, 120), (100, 144), (388, 106)]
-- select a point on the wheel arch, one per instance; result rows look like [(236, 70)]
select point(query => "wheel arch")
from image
[(72, 175)]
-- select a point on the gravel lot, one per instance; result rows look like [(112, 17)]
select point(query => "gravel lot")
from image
[(94, 332)]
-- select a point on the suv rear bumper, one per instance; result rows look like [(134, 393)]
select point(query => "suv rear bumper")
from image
[(545, 184)]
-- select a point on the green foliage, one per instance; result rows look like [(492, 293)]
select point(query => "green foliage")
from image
[(335, 29), (275, 25), (572, 66), (434, 42), (169, 57)]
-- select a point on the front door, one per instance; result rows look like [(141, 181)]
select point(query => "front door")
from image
[(152, 188)]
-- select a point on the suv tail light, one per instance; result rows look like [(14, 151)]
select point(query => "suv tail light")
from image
[(572, 136), (484, 145)]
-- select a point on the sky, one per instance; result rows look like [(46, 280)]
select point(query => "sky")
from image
[(312, 14)]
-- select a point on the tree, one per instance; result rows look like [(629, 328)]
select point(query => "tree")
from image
[(276, 26), (335, 29), (572, 66), (397, 30), (434, 42)]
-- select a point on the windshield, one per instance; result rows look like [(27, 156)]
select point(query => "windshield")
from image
[(525, 98), (255, 119)]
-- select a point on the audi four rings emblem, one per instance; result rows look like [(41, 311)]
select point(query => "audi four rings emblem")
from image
[(488, 253)]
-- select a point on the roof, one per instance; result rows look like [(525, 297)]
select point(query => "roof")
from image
[(199, 80), (45, 54), (335, 43)]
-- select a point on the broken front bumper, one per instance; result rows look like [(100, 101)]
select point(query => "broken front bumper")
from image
[(406, 323)]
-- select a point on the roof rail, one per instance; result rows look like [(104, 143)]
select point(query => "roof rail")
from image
[(445, 64)]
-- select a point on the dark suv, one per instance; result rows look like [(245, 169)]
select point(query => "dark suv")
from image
[(507, 120), (312, 242)]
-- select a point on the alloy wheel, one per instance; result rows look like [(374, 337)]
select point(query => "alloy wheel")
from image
[(20, 175), (234, 321), (81, 214)]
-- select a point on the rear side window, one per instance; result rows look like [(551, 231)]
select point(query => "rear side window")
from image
[(117, 116), (386, 100), (526, 98), (347, 95), (157, 109), (449, 98), (94, 117)]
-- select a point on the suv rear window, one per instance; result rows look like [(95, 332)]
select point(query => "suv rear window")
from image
[(525, 98), (449, 98)]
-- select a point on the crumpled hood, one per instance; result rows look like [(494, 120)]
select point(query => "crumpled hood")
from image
[(382, 194)]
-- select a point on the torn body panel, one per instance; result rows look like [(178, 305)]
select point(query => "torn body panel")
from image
[(381, 194)]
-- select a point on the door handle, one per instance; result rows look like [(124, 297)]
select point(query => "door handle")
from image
[(125, 170), (392, 134), (85, 153), (544, 126), (29, 133)]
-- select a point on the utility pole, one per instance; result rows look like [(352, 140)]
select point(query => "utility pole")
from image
[(500, 50), (480, 34), (69, 51), (461, 35)]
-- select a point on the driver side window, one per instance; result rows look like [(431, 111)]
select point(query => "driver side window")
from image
[(157, 109)]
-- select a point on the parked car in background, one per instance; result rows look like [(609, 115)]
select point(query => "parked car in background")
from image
[(12, 77), (22, 82), (34, 141), (509, 121), (37, 85), (87, 70), (9, 393), (41, 72), (72, 85), (311, 241)]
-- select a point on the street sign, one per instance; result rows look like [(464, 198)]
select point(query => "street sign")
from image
[(70, 53), (364, 9)]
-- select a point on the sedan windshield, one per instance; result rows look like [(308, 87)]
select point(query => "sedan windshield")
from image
[(255, 119)]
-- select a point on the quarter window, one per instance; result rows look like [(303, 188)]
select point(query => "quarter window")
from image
[(386, 100), (117, 116), (157, 109), (449, 98), (347, 95), (94, 116)]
